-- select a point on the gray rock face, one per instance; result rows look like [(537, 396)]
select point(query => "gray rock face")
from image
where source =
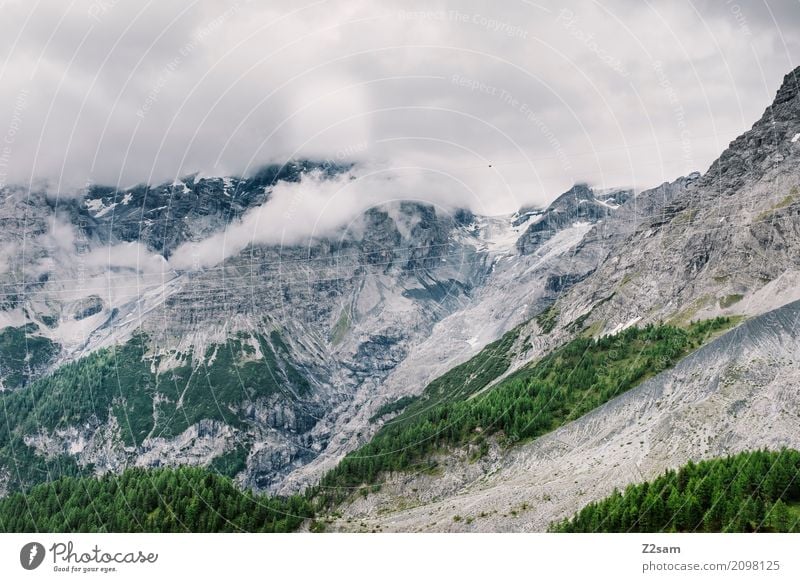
[(724, 242), (751, 156), (580, 204)]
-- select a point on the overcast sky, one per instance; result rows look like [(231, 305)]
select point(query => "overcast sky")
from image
[(614, 93)]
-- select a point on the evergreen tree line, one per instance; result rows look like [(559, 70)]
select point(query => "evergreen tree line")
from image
[(755, 491), (187, 499), (568, 383)]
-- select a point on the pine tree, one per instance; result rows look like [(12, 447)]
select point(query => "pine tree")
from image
[(779, 518)]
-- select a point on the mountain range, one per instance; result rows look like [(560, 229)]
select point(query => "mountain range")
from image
[(277, 362)]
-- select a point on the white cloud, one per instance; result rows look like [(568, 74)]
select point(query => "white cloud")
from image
[(122, 92), (317, 207)]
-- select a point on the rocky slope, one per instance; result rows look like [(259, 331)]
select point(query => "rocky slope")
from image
[(522, 280), (580, 204), (737, 393), (726, 242)]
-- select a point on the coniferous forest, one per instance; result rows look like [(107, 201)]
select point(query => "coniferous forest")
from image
[(187, 499), (756, 491)]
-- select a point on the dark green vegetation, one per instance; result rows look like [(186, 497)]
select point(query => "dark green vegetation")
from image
[(750, 492), (231, 463), (397, 406), (152, 500), (547, 319), (122, 382), (562, 386), (22, 354)]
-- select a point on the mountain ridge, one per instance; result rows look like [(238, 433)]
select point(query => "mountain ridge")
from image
[(692, 259), (365, 321)]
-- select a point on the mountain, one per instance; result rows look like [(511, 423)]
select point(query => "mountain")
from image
[(576, 346), (580, 204), (738, 393), (514, 288), (269, 365), (724, 243), (728, 244), (164, 216)]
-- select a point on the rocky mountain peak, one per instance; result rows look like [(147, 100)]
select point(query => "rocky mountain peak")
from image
[(790, 88), (162, 216), (581, 204), (770, 141)]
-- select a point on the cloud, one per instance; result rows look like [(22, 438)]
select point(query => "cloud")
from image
[(318, 207), (619, 93), (8, 250), (76, 268)]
